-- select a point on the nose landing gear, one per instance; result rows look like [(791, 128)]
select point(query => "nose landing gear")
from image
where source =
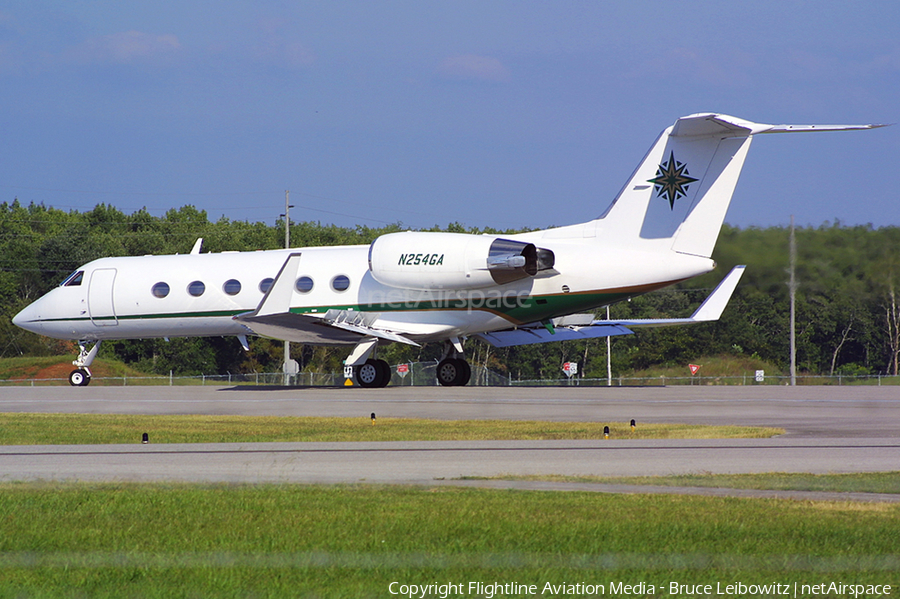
[(81, 376)]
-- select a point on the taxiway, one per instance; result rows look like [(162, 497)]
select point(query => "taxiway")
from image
[(829, 429)]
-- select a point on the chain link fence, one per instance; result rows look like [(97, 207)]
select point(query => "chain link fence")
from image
[(747, 379), (423, 374), (419, 374)]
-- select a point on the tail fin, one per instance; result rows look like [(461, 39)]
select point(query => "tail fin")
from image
[(682, 189)]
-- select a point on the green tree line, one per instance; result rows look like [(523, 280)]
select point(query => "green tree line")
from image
[(848, 310)]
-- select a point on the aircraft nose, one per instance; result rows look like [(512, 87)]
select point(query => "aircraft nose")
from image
[(28, 319)]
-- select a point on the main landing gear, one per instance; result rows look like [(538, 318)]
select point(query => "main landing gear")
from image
[(373, 374), (81, 376), (453, 370)]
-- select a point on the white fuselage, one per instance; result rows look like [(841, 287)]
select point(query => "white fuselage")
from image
[(115, 297)]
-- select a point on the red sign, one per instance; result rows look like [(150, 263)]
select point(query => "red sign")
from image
[(694, 368), (403, 368)]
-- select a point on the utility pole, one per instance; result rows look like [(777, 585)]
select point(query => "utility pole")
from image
[(793, 287), (287, 219), (608, 355), (290, 367)]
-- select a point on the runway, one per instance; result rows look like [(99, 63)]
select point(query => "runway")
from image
[(829, 429)]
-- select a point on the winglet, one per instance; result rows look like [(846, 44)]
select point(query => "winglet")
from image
[(277, 299), (711, 309), (714, 305), (577, 329)]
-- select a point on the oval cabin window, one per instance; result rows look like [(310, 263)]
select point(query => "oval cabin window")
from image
[(232, 287), (340, 283), (160, 290), (196, 288)]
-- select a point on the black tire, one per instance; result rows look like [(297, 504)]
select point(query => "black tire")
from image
[(79, 378), (465, 372), (449, 372), (367, 375), (374, 374), (454, 372), (385, 372)]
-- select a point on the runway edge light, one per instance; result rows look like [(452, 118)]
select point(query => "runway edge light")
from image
[(373, 418), (632, 425), (145, 438), (606, 432)]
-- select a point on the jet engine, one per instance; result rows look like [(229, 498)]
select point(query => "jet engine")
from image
[(431, 261)]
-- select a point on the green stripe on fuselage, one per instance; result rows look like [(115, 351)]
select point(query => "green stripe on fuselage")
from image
[(516, 309)]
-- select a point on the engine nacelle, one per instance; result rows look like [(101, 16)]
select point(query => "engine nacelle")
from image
[(431, 261)]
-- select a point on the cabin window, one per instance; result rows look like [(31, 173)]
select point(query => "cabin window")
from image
[(304, 284), (160, 290), (232, 287), (340, 283), (74, 279), (266, 284), (196, 288)]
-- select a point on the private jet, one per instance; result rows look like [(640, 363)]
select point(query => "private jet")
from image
[(422, 287)]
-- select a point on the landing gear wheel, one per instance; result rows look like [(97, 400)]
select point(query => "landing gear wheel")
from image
[(373, 374), (453, 372), (79, 378), (385, 369), (465, 372)]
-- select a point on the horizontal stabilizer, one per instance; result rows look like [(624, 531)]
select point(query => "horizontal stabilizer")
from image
[(723, 125), (711, 309)]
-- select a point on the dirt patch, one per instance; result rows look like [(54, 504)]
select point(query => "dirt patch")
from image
[(61, 371), (57, 371)]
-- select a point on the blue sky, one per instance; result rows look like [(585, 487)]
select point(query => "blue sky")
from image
[(506, 114)]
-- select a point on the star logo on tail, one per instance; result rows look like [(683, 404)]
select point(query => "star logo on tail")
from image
[(671, 180)]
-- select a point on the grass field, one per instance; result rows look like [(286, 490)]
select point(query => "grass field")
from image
[(347, 541), (79, 429), (873, 482), (173, 541)]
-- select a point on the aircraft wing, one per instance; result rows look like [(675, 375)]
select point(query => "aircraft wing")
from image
[(273, 317), (583, 326)]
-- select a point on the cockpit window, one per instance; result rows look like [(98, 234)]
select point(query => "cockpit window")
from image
[(73, 279)]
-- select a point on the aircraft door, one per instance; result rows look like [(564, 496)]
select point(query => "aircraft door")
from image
[(100, 297)]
